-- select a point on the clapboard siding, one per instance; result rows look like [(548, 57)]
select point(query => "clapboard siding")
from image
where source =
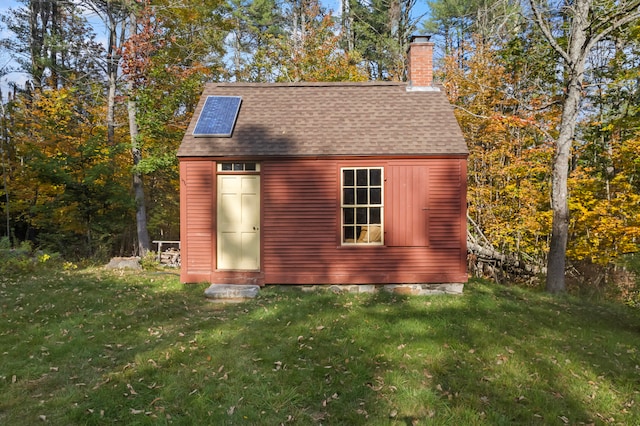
[(447, 205), (407, 204), (301, 224), (424, 221), (299, 200), (197, 194)]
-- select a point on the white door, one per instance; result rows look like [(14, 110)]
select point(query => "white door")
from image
[(238, 222)]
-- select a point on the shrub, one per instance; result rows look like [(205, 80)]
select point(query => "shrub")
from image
[(20, 260)]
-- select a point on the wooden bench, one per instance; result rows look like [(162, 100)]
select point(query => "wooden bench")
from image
[(160, 243)]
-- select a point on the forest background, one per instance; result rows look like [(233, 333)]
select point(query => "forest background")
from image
[(88, 142)]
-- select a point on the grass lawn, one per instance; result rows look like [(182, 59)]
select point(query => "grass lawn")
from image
[(93, 347)]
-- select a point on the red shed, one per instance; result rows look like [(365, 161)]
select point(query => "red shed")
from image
[(325, 183)]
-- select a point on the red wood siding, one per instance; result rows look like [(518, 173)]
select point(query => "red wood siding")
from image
[(407, 205), (446, 191), (301, 224), (197, 230)]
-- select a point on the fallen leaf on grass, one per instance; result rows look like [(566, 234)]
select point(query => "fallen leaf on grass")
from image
[(328, 400), (362, 413), (154, 401), (501, 359), (378, 386), (107, 380)]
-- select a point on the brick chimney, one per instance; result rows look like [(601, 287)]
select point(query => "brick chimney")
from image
[(420, 72)]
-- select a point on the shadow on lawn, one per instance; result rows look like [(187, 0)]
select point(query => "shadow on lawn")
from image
[(519, 358), (154, 350)]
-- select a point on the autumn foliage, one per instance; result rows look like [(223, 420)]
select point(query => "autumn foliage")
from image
[(509, 160), (508, 123), (66, 148)]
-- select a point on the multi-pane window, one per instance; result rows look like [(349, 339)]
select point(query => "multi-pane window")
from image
[(238, 167), (361, 205)]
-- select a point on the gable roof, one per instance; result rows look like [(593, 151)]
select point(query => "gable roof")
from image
[(330, 119)]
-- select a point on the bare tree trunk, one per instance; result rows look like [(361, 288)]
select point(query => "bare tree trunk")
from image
[(38, 21), (236, 52), (112, 72), (559, 190), (138, 184), (347, 25), (5, 167), (113, 15), (583, 25)]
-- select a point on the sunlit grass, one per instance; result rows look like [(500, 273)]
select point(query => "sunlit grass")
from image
[(92, 347)]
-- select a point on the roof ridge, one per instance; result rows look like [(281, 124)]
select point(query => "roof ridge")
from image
[(310, 84)]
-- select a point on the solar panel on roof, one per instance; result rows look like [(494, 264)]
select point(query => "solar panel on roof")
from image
[(218, 116)]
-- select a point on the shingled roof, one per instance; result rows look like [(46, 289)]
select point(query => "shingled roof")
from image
[(331, 119)]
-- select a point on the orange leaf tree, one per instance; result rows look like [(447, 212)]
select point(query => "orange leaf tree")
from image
[(509, 160)]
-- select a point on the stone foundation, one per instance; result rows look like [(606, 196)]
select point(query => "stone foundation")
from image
[(231, 292), (235, 292)]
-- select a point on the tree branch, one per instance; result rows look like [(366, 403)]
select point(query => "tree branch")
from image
[(546, 31), (618, 20)]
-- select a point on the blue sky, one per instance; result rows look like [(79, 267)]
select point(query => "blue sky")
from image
[(5, 60)]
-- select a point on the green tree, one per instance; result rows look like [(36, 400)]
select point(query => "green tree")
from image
[(378, 31), (168, 55), (317, 56), (257, 25), (459, 21), (52, 42)]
